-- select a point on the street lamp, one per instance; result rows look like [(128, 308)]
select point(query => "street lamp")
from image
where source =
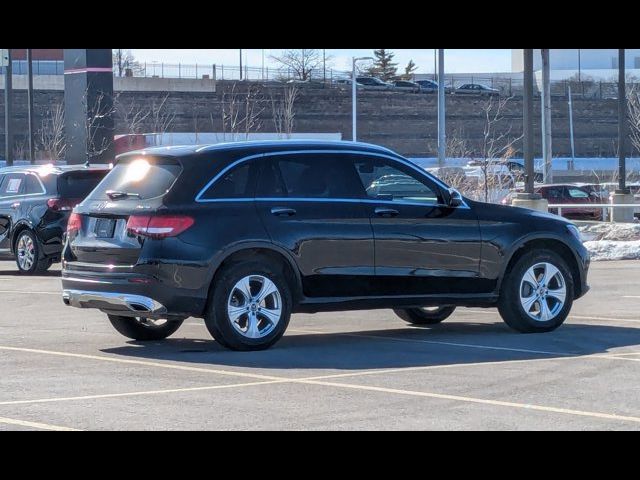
[(353, 95)]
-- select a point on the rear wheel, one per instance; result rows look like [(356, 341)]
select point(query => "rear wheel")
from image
[(425, 315), (144, 329), (537, 294), (251, 306), (27, 252)]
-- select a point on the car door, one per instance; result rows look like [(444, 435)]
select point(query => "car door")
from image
[(310, 205), (421, 246), (11, 188)]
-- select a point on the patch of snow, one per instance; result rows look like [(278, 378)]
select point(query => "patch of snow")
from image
[(602, 250), (610, 231)]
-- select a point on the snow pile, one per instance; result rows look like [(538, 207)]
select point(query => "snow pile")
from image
[(610, 231), (613, 250)]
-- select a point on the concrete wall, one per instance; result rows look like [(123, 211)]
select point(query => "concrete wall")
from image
[(402, 121), (120, 84)]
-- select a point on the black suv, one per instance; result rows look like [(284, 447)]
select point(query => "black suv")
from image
[(35, 204), (244, 234)]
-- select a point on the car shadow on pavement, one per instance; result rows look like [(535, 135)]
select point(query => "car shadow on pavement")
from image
[(15, 273), (446, 344)]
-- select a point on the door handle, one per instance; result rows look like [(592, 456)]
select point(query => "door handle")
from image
[(283, 211), (15, 205), (386, 212)]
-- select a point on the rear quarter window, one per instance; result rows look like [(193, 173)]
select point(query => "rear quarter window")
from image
[(141, 177)]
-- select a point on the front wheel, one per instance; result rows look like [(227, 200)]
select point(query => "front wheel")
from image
[(144, 329), (537, 293), (425, 315), (27, 251)]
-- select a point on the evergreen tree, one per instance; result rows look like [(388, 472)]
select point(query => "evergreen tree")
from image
[(383, 66), (409, 69)]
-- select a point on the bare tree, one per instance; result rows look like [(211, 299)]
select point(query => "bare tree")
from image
[(633, 101), (161, 116), (301, 63), (283, 110), (497, 145), (51, 138), (101, 110), (241, 111), (124, 60)]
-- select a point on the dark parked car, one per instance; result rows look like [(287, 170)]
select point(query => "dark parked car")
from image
[(373, 83), (406, 86), (244, 234), (35, 203), (429, 86), (477, 89)]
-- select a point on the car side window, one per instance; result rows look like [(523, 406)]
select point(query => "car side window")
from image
[(12, 184), (313, 175), (238, 182), (386, 180), (577, 193), (32, 185)]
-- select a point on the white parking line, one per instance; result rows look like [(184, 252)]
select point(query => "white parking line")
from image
[(497, 403), (317, 381), (137, 394), (41, 426), (605, 319)]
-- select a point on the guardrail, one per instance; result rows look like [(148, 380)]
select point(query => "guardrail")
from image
[(603, 206)]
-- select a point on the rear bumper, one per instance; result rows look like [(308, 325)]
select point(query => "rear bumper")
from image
[(131, 294), (113, 302)]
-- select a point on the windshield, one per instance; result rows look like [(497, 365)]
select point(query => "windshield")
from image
[(79, 184), (140, 178)]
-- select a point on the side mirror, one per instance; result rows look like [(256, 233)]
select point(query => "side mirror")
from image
[(455, 199)]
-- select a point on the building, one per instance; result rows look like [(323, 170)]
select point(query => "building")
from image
[(46, 61), (581, 64)]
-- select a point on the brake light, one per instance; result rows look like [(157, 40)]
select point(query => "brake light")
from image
[(62, 204), (158, 226), (74, 224)]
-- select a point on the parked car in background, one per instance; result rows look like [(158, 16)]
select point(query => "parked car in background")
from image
[(428, 86), (244, 234), (373, 83), (35, 204), (561, 193), (346, 83), (477, 89), (407, 86)]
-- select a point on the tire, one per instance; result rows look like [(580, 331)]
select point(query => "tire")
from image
[(257, 323), (27, 254), (425, 316), (141, 330), (518, 291)]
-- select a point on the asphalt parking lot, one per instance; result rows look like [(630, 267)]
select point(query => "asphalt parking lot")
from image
[(65, 368)]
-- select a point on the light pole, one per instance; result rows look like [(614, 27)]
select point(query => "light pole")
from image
[(353, 95), (442, 135), (240, 64)]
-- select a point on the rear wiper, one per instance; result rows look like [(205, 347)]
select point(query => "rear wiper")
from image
[(116, 194)]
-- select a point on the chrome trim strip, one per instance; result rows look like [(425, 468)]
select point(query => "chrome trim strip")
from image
[(79, 299), (399, 159)]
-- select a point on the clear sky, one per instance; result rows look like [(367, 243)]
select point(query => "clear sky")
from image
[(456, 60)]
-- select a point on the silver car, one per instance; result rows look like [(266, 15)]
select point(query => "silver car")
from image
[(477, 89)]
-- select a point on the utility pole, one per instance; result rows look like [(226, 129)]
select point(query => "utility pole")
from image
[(571, 165), (622, 195), (546, 117), (528, 121), (32, 154), (442, 135), (8, 111), (528, 199), (240, 64)]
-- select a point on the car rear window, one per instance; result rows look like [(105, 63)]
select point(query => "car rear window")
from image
[(140, 177), (79, 184)]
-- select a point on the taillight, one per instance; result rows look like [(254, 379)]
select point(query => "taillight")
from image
[(74, 224), (62, 204), (158, 226)]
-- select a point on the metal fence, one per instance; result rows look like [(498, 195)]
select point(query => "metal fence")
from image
[(506, 85)]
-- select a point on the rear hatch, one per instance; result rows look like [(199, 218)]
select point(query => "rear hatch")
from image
[(100, 231)]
